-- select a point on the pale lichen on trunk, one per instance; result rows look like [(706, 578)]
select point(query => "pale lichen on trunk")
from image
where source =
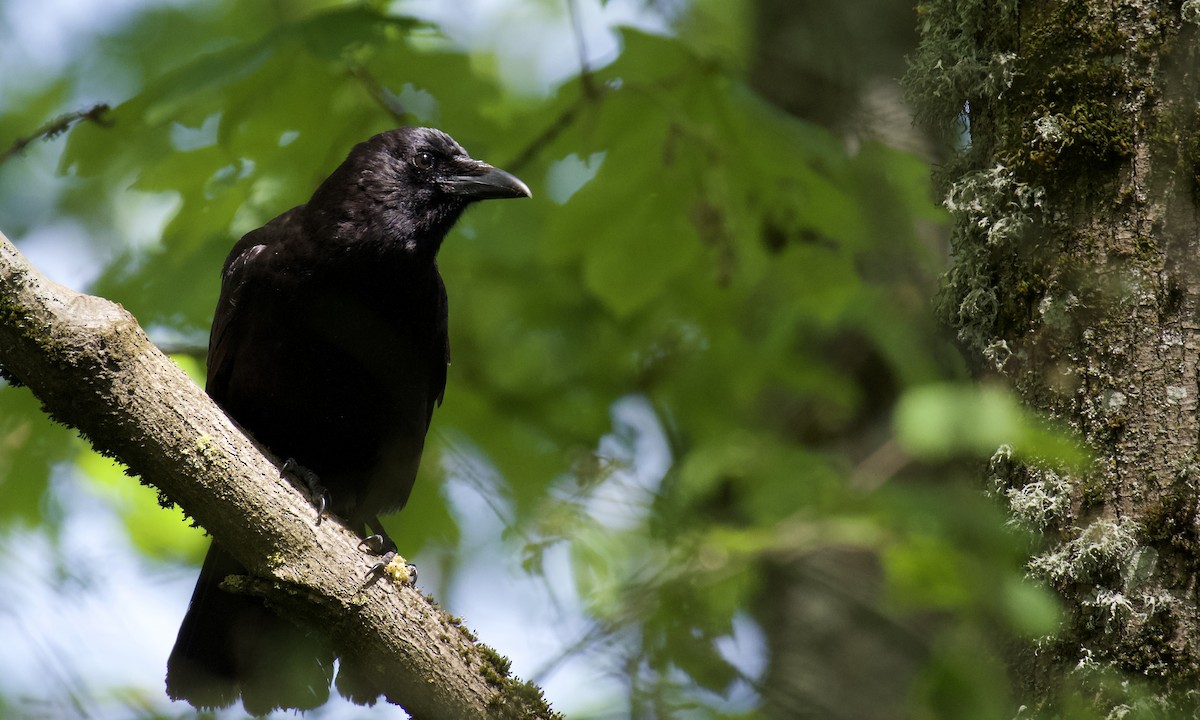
[(1075, 277)]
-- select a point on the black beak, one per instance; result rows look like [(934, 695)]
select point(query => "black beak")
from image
[(480, 181)]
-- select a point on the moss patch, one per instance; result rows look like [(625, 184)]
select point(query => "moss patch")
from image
[(1072, 82)]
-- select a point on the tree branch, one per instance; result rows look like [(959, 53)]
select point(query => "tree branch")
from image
[(56, 127), (94, 369)]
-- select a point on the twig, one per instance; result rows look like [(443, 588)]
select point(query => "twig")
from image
[(58, 126), (380, 94), (585, 71), (561, 123)]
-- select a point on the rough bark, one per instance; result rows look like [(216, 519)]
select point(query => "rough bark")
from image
[(1077, 237), (94, 369)]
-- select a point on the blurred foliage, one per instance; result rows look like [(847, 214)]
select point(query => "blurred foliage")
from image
[(760, 289)]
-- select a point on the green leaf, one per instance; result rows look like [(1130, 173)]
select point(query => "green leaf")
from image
[(1031, 609), (939, 421), (157, 532), (30, 442)]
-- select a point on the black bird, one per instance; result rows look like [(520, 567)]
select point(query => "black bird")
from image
[(329, 344)]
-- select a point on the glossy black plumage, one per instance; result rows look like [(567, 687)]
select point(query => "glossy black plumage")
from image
[(329, 344)]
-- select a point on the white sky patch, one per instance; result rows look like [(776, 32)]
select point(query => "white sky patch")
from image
[(533, 618), (745, 649), (565, 177), (141, 217), (420, 103), (186, 138), (63, 250), (639, 444), (91, 624), (42, 36), (534, 42)]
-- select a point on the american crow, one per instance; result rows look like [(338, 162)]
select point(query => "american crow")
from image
[(329, 344)]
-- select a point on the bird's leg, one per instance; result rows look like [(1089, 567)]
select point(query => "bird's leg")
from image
[(377, 544), (382, 546), (390, 562), (316, 491)]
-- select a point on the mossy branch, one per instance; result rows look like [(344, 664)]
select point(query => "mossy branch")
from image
[(94, 369)]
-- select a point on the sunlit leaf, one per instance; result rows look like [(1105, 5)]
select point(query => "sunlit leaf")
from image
[(938, 421)]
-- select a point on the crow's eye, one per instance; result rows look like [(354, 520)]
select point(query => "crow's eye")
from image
[(422, 160)]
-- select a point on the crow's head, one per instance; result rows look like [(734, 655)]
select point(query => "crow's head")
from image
[(406, 187)]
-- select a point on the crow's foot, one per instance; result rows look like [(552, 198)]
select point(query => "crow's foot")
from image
[(316, 491)]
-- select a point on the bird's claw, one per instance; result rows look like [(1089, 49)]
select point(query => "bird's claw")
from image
[(377, 545), (316, 491)]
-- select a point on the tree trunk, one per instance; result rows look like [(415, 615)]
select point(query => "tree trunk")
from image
[(833, 651), (1075, 278)]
